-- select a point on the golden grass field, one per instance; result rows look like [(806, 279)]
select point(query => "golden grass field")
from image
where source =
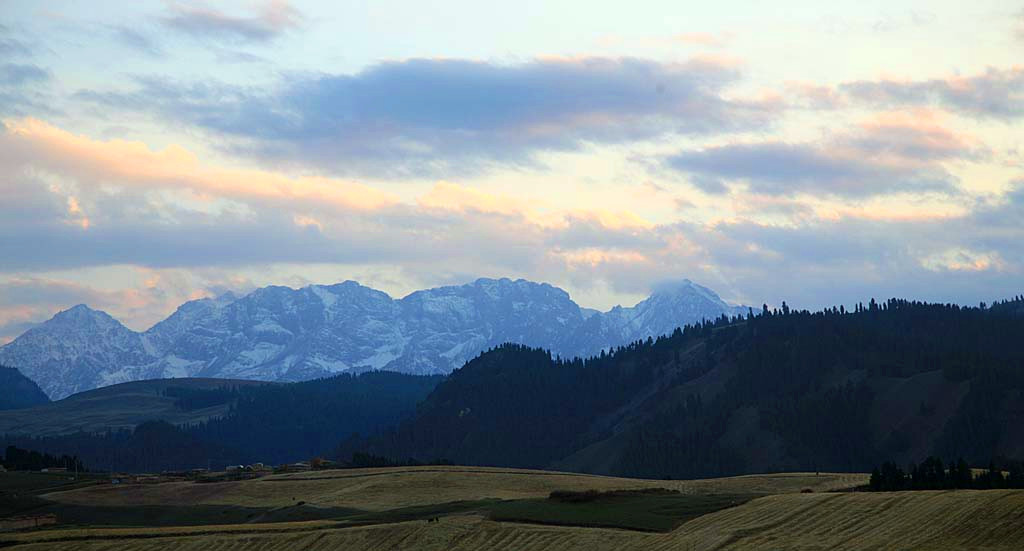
[(382, 489), (782, 519)]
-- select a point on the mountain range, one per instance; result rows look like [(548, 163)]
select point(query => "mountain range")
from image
[(282, 334), (790, 390)]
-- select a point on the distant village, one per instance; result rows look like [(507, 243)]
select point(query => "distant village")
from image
[(230, 473)]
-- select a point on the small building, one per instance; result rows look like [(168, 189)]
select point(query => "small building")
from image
[(54, 470), (234, 468), (299, 467), (326, 464)]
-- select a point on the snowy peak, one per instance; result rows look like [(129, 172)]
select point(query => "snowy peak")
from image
[(684, 300), (671, 305), (685, 288), (82, 314), (282, 334), (505, 287), (74, 350), (349, 294), (75, 326)]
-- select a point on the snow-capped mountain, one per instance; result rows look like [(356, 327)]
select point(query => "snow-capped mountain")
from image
[(669, 307), (78, 349), (284, 334)]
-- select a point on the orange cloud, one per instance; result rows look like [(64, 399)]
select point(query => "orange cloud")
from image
[(454, 197), (76, 214), (133, 164), (815, 96), (926, 124), (593, 257), (963, 260)]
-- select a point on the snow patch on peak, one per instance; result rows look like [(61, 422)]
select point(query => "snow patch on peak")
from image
[(328, 298), (80, 312)]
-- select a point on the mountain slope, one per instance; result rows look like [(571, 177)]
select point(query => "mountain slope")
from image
[(284, 334), (18, 391), (669, 307), (778, 392), (186, 423), (79, 348), (117, 407)]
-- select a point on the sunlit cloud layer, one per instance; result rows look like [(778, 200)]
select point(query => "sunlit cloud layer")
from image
[(888, 154), (996, 93), (233, 146)]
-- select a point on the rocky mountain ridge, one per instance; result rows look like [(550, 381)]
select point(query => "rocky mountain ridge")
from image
[(283, 334)]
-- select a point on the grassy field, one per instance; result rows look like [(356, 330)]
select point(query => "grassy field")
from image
[(481, 508), (37, 483), (658, 511), (384, 489)]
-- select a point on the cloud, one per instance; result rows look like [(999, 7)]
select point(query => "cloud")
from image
[(962, 260), (913, 136), (76, 202), (136, 40), (707, 184), (996, 93), (889, 154), (10, 46), (443, 116), (26, 300), (809, 95), (235, 56), (275, 18), (166, 212), (31, 142), (23, 90), (15, 74)]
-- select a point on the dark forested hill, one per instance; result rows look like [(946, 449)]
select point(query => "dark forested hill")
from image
[(240, 421), (279, 423), (118, 407), (18, 391), (831, 390)]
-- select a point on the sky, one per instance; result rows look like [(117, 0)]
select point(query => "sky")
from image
[(154, 152)]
